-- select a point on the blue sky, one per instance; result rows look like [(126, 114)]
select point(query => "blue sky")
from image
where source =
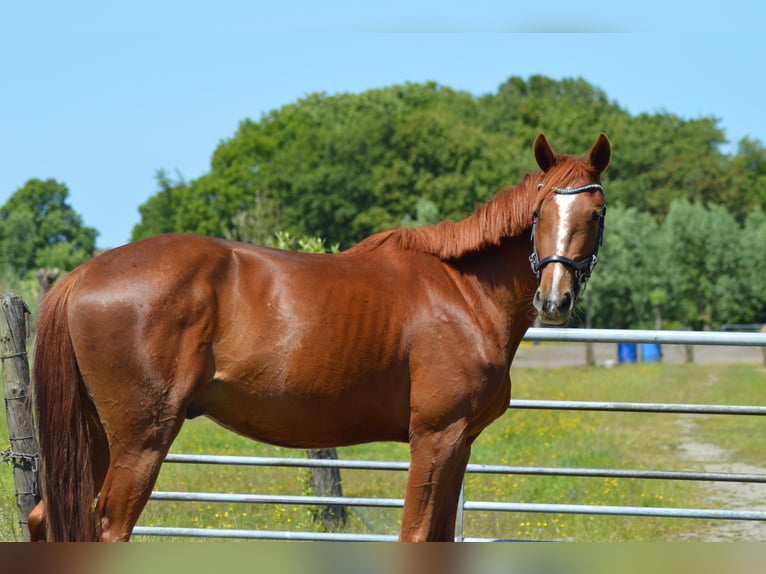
[(100, 95)]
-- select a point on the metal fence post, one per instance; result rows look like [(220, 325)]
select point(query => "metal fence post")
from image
[(460, 508), (22, 452)]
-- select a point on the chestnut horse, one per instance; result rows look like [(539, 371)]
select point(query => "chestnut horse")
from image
[(408, 336)]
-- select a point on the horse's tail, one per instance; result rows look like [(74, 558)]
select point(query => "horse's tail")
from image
[(65, 442)]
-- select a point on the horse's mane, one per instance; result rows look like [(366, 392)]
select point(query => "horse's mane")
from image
[(507, 215)]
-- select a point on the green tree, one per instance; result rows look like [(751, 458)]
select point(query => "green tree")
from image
[(426, 213), (571, 111), (706, 281), (747, 174), (631, 266), (257, 224), (159, 212), (38, 228), (661, 157), (284, 240), (342, 167), (751, 268)]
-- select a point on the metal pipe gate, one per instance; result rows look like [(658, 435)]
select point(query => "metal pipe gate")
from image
[(534, 334)]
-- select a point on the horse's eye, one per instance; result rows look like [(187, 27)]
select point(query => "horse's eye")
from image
[(598, 215)]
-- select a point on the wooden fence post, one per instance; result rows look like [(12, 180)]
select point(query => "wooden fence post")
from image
[(23, 453), (325, 481)]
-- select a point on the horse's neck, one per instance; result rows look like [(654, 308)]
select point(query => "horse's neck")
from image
[(500, 284)]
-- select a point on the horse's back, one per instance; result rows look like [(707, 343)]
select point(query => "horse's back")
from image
[(163, 260)]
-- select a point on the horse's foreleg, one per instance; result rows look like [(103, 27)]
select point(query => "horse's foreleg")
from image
[(437, 465)]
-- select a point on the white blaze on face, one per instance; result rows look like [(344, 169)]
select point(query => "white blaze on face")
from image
[(564, 204)]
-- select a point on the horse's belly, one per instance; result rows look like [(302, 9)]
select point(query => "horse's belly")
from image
[(308, 417)]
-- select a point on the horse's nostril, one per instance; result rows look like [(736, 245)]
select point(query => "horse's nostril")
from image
[(566, 303)]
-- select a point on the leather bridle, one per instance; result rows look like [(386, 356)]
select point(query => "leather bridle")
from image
[(583, 267)]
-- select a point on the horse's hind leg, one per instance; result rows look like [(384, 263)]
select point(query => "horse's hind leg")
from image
[(142, 397), (134, 465), (125, 486), (437, 465), (36, 523), (126, 491), (140, 429)]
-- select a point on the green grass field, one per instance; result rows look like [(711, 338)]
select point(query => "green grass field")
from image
[(533, 438)]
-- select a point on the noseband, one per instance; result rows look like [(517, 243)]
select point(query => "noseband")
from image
[(582, 268)]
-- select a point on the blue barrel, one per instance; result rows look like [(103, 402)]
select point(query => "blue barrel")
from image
[(651, 353), (627, 352)]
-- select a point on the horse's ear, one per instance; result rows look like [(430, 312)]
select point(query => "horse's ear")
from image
[(601, 153), (544, 155)]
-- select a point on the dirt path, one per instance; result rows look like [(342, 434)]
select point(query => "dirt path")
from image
[(735, 495), (702, 455)]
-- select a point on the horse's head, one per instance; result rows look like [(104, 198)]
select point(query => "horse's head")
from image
[(568, 223)]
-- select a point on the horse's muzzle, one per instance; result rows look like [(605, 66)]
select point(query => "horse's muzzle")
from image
[(554, 308)]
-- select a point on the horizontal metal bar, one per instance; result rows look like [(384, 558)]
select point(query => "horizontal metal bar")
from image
[(638, 407), (287, 462), (259, 534), (230, 533), (617, 473), (519, 507), (646, 336), (471, 469), (661, 512), (238, 498)]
